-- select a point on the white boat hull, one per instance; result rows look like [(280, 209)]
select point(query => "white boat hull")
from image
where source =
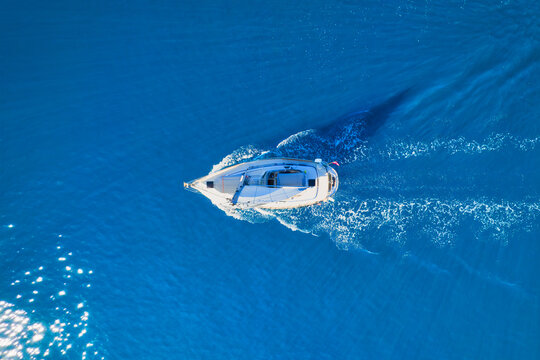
[(277, 183)]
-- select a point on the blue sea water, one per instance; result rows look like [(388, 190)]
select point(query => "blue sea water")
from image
[(430, 250)]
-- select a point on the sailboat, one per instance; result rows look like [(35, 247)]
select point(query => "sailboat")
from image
[(276, 183)]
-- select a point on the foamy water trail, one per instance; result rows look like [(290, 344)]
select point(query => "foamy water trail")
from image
[(494, 142), (349, 148), (350, 218), (350, 221), (244, 153)]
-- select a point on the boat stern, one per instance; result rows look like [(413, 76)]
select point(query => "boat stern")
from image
[(333, 181)]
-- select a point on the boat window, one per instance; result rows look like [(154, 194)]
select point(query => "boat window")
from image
[(289, 171), (285, 178), (311, 182), (272, 178), (329, 182)]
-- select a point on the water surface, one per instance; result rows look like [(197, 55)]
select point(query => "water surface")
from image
[(429, 250)]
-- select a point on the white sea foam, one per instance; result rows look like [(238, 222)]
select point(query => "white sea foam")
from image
[(268, 214), (494, 142), (347, 221), (293, 138), (242, 154)]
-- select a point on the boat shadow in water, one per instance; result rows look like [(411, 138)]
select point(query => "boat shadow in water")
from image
[(370, 120), (343, 140)]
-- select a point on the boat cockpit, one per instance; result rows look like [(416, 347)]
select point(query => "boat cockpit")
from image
[(284, 178)]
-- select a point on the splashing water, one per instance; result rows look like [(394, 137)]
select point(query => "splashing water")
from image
[(351, 216), (348, 221), (494, 142)]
